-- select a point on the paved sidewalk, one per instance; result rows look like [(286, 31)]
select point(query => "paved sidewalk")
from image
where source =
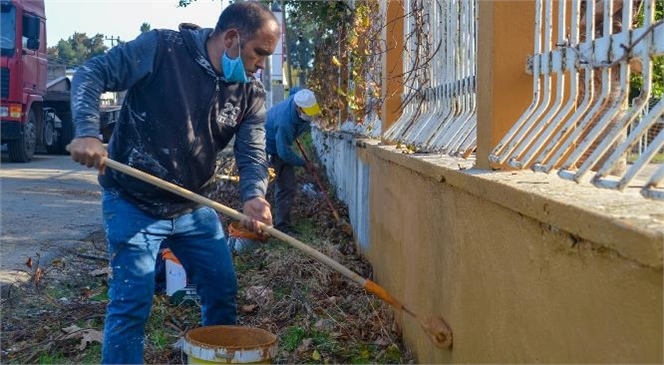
[(47, 204)]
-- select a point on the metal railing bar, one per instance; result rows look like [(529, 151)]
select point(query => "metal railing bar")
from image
[(619, 100), (548, 122), (651, 118), (451, 139), (450, 74), (545, 73), (544, 162), (602, 125), (649, 191), (428, 122)]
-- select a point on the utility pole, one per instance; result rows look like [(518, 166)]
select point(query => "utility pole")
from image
[(112, 39), (286, 48)]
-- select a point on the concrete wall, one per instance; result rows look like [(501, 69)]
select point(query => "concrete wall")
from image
[(525, 267)]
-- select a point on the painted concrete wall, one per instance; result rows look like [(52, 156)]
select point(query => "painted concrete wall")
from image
[(517, 265), (349, 175)]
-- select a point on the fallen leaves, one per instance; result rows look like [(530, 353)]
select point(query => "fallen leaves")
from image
[(248, 308), (259, 294), (104, 271), (87, 336)]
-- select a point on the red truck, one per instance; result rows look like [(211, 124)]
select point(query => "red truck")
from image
[(35, 107)]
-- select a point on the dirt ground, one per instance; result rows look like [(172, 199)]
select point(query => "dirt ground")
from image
[(317, 314)]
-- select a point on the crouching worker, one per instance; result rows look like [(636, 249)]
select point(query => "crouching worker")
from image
[(286, 121), (189, 92)]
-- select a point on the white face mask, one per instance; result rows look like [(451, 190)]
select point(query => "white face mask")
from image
[(306, 118)]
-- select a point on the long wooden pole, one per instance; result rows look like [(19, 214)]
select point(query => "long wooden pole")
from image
[(178, 190), (436, 328)]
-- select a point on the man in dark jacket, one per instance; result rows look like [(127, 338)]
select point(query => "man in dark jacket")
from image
[(286, 121), (189, 92)]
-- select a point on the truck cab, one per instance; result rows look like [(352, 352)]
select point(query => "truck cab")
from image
[(23, 71)]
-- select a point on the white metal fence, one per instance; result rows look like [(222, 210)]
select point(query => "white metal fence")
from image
[(584, 120), (588, 123), (439, 72)]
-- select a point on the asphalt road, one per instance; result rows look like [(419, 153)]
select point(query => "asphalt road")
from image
[(46, 205)]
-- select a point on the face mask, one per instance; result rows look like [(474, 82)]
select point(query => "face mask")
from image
[(306, 118), (234, 69)]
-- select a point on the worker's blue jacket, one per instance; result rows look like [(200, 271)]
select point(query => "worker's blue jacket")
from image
[(283, 126)]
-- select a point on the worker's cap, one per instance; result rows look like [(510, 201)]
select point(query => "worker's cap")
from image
[(306, 100)]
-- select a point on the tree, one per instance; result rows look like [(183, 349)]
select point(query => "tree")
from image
[(145, 27), (77, 49), (636, 80)]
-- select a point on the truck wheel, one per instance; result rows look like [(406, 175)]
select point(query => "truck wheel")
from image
[(51, 136), (67, 132), (22, 149)]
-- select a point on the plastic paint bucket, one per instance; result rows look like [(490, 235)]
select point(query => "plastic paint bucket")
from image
[(229, 344)]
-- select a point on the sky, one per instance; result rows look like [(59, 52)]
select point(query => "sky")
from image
[(123, 18)]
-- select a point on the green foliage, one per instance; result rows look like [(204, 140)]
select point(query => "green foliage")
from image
[(158, 335), (244, 264), (324, 342), (293, 338), (657, 159), (636, 80), (92, 354), (393, 354), (145, 27), (306, 228), (77, 49), (51, 359), (102, 296), (363, 355)]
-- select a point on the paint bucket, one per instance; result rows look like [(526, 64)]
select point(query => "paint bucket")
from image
[(176, 277), (229, 344), (178, 287)]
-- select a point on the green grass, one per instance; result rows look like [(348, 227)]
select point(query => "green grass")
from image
[(155, 329), (92, 354), (307, 230), (293, 338), (362, 354), (51, 359), (245, 263), (102, 296), (280, 292), (323, 346), (323, 342), (160, 339), (61, 291), (658, 158)]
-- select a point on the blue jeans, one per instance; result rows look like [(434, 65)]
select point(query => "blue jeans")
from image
[(197, 240)]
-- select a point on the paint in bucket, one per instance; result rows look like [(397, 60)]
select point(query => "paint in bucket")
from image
[(229, 344)]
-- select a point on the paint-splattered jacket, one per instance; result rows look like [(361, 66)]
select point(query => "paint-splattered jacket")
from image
[(177, 114)]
